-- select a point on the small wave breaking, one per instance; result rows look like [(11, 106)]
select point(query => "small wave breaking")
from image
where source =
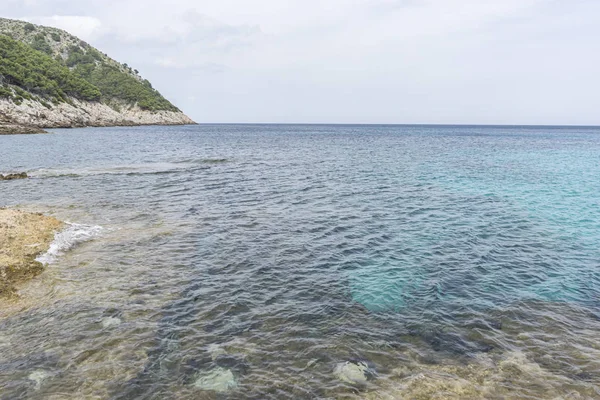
[(130, 169), (68, 238)]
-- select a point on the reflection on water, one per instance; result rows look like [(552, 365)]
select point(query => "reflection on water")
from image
[(310, 262)]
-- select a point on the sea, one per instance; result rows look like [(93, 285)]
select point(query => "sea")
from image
[(308, 262)]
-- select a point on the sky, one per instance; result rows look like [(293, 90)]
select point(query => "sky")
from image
[(351, 61)]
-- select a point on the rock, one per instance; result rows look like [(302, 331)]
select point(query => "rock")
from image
[(216, 380), (352, 373), (10, 177), (38, 377), (18, 129), (23, 236), (215, 351), (109, 322), (26, 117)]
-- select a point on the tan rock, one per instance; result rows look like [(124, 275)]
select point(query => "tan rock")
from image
[(11, 177), (23, 236), (12, 129), (31, 113)]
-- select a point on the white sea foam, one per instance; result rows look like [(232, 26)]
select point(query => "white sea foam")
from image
[(68, 238), (126, 169)]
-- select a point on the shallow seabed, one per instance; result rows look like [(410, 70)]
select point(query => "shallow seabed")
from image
[(254, 261)]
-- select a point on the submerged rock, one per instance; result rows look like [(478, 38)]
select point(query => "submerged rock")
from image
[(216, 350), (352, 373), (37, 377), (109, 322), (10, 177), (217, 380)]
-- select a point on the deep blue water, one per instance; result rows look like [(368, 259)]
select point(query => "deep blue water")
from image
[(328, 243)]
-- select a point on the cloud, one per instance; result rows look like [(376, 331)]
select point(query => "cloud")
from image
[(489, 61), (172, 63), (84, 27)]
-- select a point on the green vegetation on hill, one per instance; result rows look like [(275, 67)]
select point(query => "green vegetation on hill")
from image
[(114, 84), (27, 70), (40, 44), (47, 64)]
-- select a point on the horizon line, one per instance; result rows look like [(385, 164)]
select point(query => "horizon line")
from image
[(403, 124)]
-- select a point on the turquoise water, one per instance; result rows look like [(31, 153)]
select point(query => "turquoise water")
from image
[(277, 252)]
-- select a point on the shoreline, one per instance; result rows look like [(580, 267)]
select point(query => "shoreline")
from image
[(79, 114), (23, 237), (17, 129)]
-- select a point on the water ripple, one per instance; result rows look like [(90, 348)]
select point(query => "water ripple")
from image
[(257, 259)]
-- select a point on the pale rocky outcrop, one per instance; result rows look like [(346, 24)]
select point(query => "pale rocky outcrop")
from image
[(12, 177), (216, 380), (351, 373), (23, 236), (14, 129), (83, 113)]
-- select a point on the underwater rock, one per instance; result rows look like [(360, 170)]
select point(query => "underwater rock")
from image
[(217, 380), (216, 350), (38, 377), (351, 373), (10, 177), (109, 322)]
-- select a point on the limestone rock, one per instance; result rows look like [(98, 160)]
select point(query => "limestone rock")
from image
[(15, 129), (79, 113), (217, 380), (38, 377), (10, 177), (109, 322), (350, 372)]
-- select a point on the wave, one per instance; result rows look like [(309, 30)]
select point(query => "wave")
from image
[(202, 161), (68, 238), (131, 169)]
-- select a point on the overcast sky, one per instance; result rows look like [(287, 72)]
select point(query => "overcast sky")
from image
[(351, 61)]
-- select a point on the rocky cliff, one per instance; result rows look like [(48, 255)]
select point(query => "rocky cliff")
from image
[(50, 78), (77, 113)]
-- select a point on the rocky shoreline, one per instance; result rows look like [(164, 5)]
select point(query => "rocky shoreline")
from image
[(12, 177), (13, 129), (31, 116), (23, 236)]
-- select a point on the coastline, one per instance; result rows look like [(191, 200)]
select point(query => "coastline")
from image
[(31, 117), (16, 129), (23, 236)]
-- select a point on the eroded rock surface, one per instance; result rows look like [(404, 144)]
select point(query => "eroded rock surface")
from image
[(14, 129), (23, 236), (79, 113), (10, 177)]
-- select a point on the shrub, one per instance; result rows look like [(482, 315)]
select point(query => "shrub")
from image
[(31, 70), (116, 84), (5, 92), (37, 72), (40, 44)]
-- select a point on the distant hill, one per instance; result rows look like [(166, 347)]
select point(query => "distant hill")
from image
[(50, 78)]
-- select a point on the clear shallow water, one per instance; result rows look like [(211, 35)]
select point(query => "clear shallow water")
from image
[(453, 261)]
